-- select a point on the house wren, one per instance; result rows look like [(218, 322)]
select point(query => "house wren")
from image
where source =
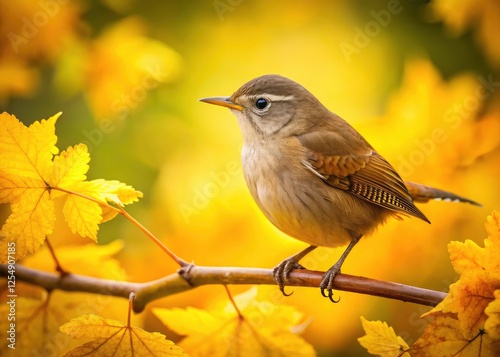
[(313, 175)]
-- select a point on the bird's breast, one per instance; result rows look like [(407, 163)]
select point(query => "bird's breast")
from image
[(298, 202)]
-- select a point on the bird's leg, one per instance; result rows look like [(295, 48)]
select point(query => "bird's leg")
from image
[(283, 269), (327, 282)]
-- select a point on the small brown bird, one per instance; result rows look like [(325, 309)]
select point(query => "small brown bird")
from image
[(313, 175)]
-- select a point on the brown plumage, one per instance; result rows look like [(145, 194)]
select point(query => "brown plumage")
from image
[(313, 175)]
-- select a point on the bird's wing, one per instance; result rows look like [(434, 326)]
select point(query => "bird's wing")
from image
[(351, 164)]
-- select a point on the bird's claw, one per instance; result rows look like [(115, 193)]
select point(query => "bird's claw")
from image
[(326, 285), (282, 271)]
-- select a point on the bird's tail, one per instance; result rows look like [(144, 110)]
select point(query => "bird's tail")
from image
[(422, 193)]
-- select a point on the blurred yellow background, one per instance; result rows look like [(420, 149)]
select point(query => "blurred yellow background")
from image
[(420, 81)]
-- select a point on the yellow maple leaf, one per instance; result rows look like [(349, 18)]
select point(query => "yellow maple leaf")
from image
[(467, 322), (443, 337), (83, 216), (106, 191), (25, 161), (262, 329), (27, 151), (479, 270), (113, 338), (70, 167), (460, 320), (381, 340), (32, 175), (492, 324), (468, 298)]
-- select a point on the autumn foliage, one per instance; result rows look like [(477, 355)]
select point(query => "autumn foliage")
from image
[(467, 321), (34, 174)]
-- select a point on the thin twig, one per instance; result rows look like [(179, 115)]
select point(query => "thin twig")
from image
[(131, 299), (202, 275), (151, 236), (230, 296), (59, 267)]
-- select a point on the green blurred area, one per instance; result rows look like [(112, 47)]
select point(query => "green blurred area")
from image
[(170, 146)]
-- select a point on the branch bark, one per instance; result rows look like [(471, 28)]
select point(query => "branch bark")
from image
[(192, 276)]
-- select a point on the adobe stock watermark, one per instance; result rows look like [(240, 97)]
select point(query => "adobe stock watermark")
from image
[(211, 189), (11, 295), (48, 9), (453, 118), (363, 36), (123, 105), (223, 6)]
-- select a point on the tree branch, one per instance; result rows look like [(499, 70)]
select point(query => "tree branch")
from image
[(190, 277)]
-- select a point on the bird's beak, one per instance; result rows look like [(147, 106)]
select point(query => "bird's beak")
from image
[(223, 102)]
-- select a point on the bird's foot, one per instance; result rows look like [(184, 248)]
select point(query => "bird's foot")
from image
[(283, 270), (326, 285)]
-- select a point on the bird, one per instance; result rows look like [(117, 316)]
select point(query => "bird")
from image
[(313, 175)]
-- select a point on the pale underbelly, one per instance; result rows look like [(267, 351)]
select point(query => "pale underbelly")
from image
[(315, 212)]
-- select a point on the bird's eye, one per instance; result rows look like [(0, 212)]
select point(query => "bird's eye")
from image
[(261, 103)]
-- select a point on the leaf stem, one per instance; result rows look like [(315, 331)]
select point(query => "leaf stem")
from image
[(240, 315), (59, 267)]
